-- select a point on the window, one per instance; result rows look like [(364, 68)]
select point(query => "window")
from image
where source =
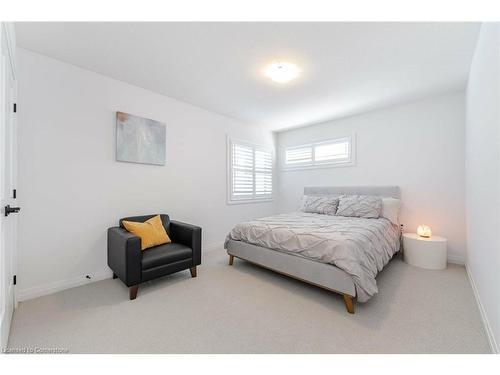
[(250, 176), (338, 152), (299, 155)]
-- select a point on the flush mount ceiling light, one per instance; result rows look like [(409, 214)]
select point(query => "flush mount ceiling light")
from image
[(282, 72)]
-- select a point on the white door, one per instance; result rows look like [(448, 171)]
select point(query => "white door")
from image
[(8, 153)]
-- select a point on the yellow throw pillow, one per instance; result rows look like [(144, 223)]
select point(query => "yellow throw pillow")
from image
[(151, 232)]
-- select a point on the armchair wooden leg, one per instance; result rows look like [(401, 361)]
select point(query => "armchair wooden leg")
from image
[(193, 271), (114, 276), (133, 291), (231, 260), (348, 303)]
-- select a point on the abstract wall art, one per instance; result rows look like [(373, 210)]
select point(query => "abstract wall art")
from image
[(140, 140)]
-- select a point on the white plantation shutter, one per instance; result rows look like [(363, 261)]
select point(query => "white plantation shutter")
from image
[(251, 172), (299, 155), (335, 151), (263, 173), (242, 176)]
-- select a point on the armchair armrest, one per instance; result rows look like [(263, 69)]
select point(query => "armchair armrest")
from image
[(124, 255), (188, 235)]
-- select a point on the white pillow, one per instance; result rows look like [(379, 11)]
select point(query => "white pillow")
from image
[(390, 209)]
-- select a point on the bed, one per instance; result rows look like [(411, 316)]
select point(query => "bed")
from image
[(340, 254)]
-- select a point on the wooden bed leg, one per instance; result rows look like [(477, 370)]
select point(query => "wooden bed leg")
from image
[(231, 260), (348, 303)]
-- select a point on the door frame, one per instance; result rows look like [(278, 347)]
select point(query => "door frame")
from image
[(7, 30)]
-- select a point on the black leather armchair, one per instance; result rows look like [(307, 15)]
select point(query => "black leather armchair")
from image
[(134, 266)]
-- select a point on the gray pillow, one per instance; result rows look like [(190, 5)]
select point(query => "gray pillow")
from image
[(366, 206), (319, 204)]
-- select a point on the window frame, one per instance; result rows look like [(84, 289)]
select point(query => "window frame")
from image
[(256, 147), (351, 160)]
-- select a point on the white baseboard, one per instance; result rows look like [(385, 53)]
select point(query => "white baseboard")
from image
[(57, 286), (213, 246), (486, 323), (456, 259)]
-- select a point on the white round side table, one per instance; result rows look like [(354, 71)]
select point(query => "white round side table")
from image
[(424, 252)]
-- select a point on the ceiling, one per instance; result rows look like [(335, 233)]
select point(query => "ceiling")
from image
[(347, 68)]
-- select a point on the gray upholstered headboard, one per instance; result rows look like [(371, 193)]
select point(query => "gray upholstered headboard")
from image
[(383, 191)]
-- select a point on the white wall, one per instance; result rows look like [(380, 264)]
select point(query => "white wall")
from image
[(71, 189), (418, 146), (482, 177)]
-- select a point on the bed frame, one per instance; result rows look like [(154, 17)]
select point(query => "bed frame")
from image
[(323, 275)]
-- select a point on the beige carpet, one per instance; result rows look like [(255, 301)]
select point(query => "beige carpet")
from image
[(246, 309)]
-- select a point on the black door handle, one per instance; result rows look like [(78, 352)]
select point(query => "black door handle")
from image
[(11, 210)]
